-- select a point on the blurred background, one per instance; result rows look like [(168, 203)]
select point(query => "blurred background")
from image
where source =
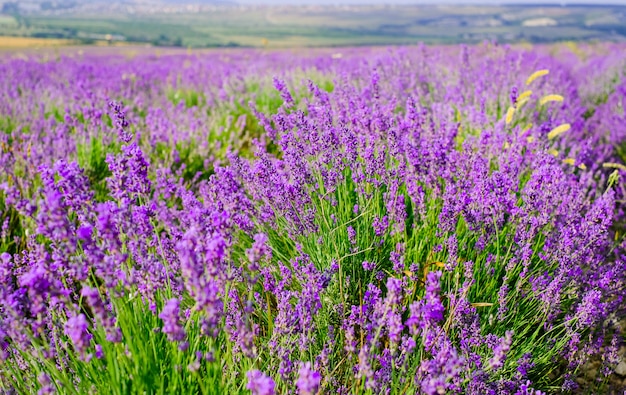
[(310, 23)]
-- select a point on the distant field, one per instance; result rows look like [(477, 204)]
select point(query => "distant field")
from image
[(31, 42), (13, 43), (309, 26), (6, 20)]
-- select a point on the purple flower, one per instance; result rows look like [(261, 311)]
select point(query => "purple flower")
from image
[(121, 122), (259, 383), (76, 328), (500, 351), (99, 351), (101, 313), (308, 380), (351, 234), (524, 365), (129, 173), (171, 320), (369, 266), (380, 225), (526, 389), (513, 96), (47, 387), (260, 249), (432, 310), (590, 309), (440, 373), (281, 87)]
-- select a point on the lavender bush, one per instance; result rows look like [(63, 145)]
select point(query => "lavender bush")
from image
[(420, 220)]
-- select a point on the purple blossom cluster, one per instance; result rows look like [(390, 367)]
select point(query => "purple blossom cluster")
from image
[(421, 220)]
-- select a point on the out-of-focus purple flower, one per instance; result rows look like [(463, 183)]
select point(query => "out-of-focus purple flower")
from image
[(526, 389), (260, 249), (369, 266), (380, 225), (441, 373), (309, 380), (500, 351), (327, 275), (101, 313), (99, 352), (195, 365), (590, 309), (120, 121), (432, 309), (129, 170), (351, 234), (259, 383), (524, 364), (281, 87), (77, 329), (171, 320), (397, 258), (513, 95), (47, 387)]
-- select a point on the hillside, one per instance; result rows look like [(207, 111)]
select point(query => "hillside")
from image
[(212, 23)]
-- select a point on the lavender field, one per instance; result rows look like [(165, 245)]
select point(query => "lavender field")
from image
[(407, 220)]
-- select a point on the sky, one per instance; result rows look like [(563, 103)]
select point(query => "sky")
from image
[(595, 2)]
